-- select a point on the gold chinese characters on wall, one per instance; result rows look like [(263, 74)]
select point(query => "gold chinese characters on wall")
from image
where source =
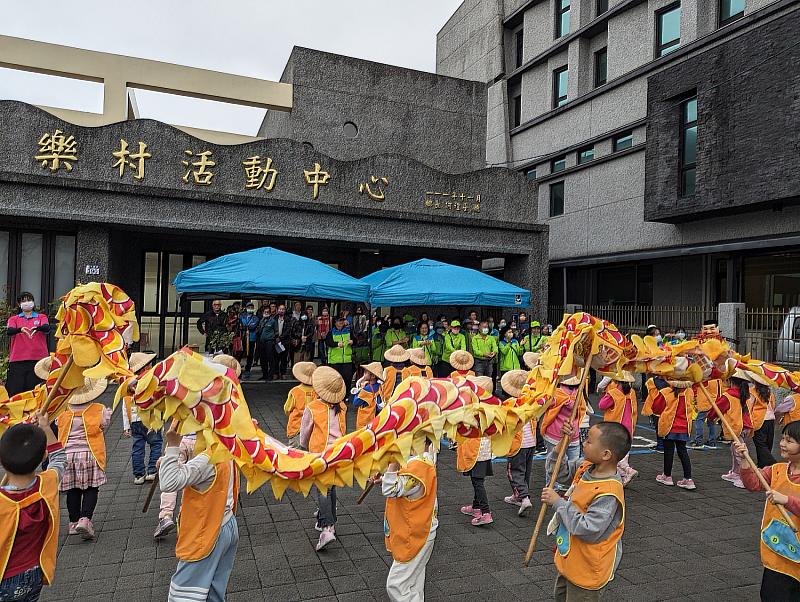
[(453, 201)]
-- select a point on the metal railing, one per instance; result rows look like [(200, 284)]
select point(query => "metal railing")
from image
[(771, 334), (634, 319)]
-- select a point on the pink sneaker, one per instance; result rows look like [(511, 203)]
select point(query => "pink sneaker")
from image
[(738, 483), (482, 519), (85, 529), (730, 476), (664, 479), (513, 500), (72, 529), (686, 484), (327, 536), (470, 511)]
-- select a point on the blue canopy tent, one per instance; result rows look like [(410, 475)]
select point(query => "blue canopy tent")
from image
[(429, 282), (268, 271)]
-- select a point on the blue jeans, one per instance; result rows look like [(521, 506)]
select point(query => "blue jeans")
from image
[(323, 351), (142, 436), (699, 429), (24, 587), (571, 457)]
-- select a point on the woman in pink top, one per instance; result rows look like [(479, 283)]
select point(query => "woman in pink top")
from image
[(28, 331)]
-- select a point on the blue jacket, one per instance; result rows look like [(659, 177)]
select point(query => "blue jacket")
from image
[(250, 325)]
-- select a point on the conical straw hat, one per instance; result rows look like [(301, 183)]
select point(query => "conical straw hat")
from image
[(513, 381), (396, 354), (91, 390), (376, 369), (229, 362), (484, 382), (42, 367), (462, 360), (139, 360), (303, 371), (417, 356), (530, 359), (328, 385)]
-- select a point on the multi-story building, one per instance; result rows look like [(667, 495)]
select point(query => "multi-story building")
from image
[(662, 134)]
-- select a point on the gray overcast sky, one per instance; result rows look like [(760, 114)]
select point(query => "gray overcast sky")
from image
[(247, 37)]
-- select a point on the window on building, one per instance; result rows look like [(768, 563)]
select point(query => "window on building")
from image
[(557, 199), (730, 10), (600, 67), (560, 84), (558, 164), (516, 110), (519, 43), (623, 141), (688, 146), (562, 18), (602, 6), (531, 174), (585, 155), (668, 29)]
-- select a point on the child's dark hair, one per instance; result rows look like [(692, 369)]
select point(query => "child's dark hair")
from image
[(22, 448), (744, 393), (615, 438), (763, 391), (792, 430), (626, 387)]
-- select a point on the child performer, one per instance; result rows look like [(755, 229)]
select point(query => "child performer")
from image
[(762, 414), (619, 405), (142, 436), (520, 456), (715, 388), (733, 404), (780, 548), (298, 399), (208, 534), (647, 407), (397, 356), (169, 500), (419, 364), (410, 523), (589, 522), (324, 422), (29, 509), (557, 414), (368, 396), (474, 459), (80, 430), (462, 362), (673, 405)]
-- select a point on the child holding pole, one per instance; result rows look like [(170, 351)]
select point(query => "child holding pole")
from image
[(474, 459), (733, 404), (520, 456), (559, 412), (462, 362), (297, 400), (619, 405), (673, 405), (368, 396)]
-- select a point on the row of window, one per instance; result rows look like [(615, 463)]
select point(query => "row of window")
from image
[(688, 157), (668, 39)]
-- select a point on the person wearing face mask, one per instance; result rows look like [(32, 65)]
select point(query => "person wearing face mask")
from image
[(453, 341), (284, 326), (323, 328), (522, 324), (359, 322), (396, 335), (28, 332), (484, 350), (303, 338), (508, 351), (249, 326)]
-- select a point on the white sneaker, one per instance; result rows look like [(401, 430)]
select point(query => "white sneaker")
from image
[(524, 506), (138, 480), (513, 500), (325, 538), (150, 477)]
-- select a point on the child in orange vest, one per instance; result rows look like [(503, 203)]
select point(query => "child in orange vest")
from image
[(762, 414), (789, 409), (410, 523), (520, 456), (780, 547), (419, 364), (367, 397), (462, 362), (397, 356), (323, 423), (80, 430), (673, 405), (169, 499), (297, 399), (29, 511), (559, 412), (703, 405), (208, 534), (619, 405), (474, 459), (590, 520), (734, 404)]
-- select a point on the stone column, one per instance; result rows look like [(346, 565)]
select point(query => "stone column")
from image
[(527, 272), (92, 254), (731, 321)]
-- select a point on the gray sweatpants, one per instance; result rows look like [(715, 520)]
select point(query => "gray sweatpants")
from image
[(519, 472), (482, 367)]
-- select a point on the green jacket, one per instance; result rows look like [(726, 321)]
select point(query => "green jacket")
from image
[(393, 338), (509, 355), (533, 343), (336, 354), (378, 346), (452, 342), (432, 352), (361, 354), (481, 347)]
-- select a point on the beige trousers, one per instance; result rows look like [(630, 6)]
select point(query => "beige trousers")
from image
[(406, 581)]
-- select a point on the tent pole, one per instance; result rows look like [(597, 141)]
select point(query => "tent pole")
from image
[(175, 322)]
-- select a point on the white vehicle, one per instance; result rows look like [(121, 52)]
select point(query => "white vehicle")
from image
[(788, 344)]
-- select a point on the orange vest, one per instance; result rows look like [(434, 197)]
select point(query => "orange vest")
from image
[(294, 407), (615, 413), (92, 416), (467, 452), (780, 546), (715, 388), (366, 412), (652, 393), (414, 370), (734, 415), (516, 442), (758, 411), (197, 535), (559, 399), (47, 490), (319, 433), (794, 413), (673, 401), (590, 566), (464, 373), (407, 523), (389, 381)]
